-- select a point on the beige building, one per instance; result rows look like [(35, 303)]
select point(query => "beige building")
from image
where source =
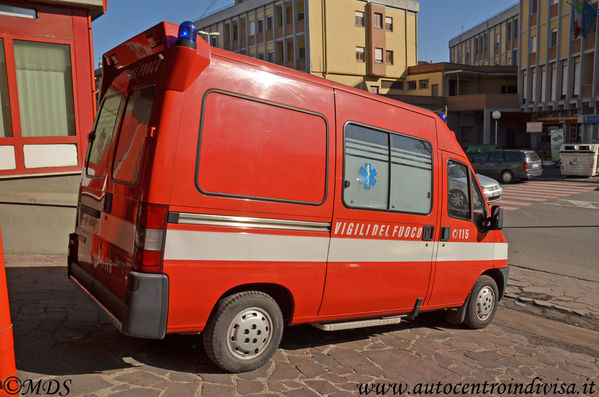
[(492, 42), (364, 44)]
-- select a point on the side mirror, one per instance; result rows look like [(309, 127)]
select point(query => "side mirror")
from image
[(496, 218)]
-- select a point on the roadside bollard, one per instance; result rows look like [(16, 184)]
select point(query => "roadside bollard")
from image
[(7, 352)]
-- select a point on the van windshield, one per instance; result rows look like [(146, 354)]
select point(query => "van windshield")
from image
[(131, 139)]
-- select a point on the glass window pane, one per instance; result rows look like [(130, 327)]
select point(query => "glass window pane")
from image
[(458, 196), (45, 88), (411, 175), (478, 202), (105, 126), (366, 167), (130, 145), (5, 122)]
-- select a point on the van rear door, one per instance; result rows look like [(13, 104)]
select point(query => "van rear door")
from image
[(125, 191)]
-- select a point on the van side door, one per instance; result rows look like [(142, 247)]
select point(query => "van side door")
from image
[(465, 249), (385, 209)]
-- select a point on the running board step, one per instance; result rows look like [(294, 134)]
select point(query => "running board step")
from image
[(372, 322)]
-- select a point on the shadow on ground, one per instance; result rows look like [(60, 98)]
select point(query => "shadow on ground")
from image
[(59, 331)]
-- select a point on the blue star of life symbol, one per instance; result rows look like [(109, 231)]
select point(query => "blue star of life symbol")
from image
[(368, 174)]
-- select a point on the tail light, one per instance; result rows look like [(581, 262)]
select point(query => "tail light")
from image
[(525, 166), (149, 238)]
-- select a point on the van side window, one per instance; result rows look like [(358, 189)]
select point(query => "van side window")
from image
[(458, 192), (132, 136), (387, 171), (105, 126), (366, 167), (261, 150)]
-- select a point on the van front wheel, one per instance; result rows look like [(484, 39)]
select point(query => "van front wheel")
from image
[(244, 331), (482, 303)]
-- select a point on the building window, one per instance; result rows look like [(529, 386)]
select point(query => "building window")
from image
[(269, 22), (412, 85), (533, 6), (5, 122), (359, 54), (300, 15), (576, 78), (543, 85), (515, 28), (553, 83), (533, 44), (260, 25), (271, 56), (565, 79), (13, 11), (252, 28), (378, 20), (533, 78), (435, 90), (214, 41), (45, 88), (525, 85), (515, 58), (553, 37), (378, 55), (389, 24), (302, 52), (423, 84), (359, 18), (261, 56), (389, 57), (374, 89), (476, 46), (508, 31)]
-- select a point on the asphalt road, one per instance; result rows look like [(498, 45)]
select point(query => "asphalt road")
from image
[(558, 235)]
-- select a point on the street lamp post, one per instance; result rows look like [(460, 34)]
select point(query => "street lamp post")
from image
[(496, 116)]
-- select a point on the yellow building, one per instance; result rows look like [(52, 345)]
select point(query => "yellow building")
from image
[(559, 73), (359, 43)]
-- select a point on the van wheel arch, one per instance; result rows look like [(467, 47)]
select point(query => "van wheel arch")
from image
[(279, 293), (498, 277)]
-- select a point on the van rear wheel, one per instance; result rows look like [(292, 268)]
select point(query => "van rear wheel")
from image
[(482, 303), (244, 331)]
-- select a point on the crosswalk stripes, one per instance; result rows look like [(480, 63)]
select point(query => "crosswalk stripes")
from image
[(533, 192)]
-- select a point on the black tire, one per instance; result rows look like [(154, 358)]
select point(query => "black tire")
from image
[(482, 303), (243, 331), (507, 176)]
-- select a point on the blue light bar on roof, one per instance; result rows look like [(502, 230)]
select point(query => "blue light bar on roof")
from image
[(188, 35)]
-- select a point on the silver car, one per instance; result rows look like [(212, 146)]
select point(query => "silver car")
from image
[(491, 188)]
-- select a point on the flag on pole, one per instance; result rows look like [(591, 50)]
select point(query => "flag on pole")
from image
[(583, 17), (589, 14)]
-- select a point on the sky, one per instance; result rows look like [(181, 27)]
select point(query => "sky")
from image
[(438, 20)]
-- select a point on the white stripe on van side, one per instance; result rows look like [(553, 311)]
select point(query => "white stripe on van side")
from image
[(211, 246), (214, 246)]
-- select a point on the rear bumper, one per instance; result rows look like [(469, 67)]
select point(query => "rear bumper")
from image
[(143, 314), (527, 174)]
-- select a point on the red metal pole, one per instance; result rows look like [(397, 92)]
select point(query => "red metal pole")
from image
[(7, 351)]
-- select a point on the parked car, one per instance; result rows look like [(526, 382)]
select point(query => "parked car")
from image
[(491, 188), (508, 164)]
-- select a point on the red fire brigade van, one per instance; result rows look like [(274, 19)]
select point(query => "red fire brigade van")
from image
[(232, 197)]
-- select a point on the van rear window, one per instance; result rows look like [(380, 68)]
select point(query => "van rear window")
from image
[(105, 126), (131, 139), (253, 149)]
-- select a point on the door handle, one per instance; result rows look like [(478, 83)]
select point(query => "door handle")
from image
[(107, 203), (445, 233), (428, 232)]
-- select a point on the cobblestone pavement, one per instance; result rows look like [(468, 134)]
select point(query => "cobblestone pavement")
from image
[(60, 334)]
